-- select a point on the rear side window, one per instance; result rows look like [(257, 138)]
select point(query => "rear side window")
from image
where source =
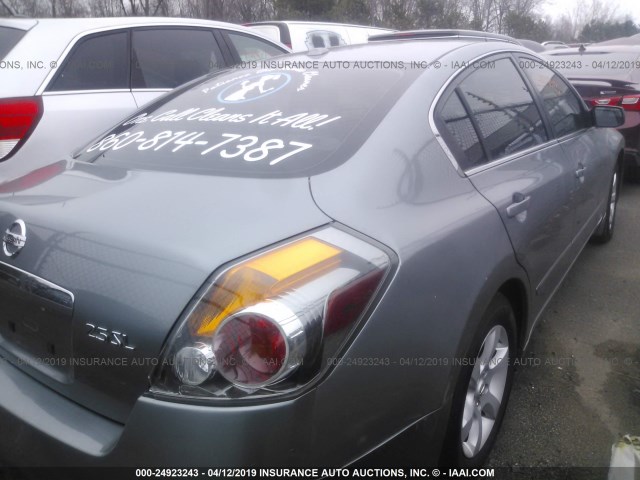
[(9, 38), (99, 62), (562, 105), (166, 58), (464, 143), (252, 49), (503, 108)]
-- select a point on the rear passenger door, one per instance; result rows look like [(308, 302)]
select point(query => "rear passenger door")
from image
[(164, 58), (494, 127), (88, 94), (571, 125)]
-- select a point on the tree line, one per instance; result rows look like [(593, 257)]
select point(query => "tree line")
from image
[(590, 21)]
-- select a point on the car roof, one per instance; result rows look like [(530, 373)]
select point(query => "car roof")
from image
[(303, 22), (414, 49), (431, 34), (594, 49), (18, 23), (85, 24), (631, 40)]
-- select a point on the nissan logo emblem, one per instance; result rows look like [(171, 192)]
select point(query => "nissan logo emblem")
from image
[(14, 238)]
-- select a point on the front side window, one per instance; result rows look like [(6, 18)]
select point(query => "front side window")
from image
[(562, 105), (100, 62), (504, 110), (168, 57)]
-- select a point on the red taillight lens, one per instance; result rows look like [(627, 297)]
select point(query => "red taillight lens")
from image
[(628, 102), (18, 118), (250, 350), (346, 304), (261, 344), (605, 101)]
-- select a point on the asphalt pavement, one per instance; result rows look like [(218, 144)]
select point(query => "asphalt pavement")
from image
[(577, 390)]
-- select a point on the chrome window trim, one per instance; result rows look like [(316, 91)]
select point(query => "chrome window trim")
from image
[(572, 135), (498, 161), (159, 90), (43, 288), (513, 156), (80, 92)]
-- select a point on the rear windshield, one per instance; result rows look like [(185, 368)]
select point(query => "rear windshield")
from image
[(9, 38), (595, 63), (292, 120)]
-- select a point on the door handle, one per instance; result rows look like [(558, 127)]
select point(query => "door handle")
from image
[(519, 205)]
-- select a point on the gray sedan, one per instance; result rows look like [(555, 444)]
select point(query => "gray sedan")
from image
[(296, 262)]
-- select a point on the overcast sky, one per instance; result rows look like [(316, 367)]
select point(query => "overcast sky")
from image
[(625, 7)]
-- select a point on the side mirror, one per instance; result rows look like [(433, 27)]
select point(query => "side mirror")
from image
[(607, 117)]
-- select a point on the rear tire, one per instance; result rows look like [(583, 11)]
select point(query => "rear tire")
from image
[(482, 392), (604, 231)]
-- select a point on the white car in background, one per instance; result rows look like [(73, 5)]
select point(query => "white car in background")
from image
[(66, 80), (302, 36)]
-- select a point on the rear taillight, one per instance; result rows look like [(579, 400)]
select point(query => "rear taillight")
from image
[(18, 118), (628, 102), (272, 323)]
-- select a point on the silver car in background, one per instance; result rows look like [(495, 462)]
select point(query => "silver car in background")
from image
[(296, 265), (303, 36), (66, 80)]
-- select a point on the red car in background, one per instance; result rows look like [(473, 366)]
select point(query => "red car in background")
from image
[(607, 75)]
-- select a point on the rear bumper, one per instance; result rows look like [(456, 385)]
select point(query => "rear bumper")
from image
[(42, 428)]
